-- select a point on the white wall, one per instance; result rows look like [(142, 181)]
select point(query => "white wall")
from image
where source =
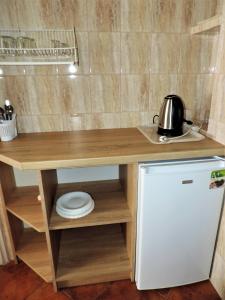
[(25, 178)]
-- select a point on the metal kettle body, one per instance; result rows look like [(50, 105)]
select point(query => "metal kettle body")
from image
[(171, 116)]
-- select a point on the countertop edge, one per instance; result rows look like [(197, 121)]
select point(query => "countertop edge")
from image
[(113, 160), (44, 151)]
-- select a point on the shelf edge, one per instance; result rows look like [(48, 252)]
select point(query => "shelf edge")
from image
[(24, 254), (207, 24), (118, 221), (40, 229)]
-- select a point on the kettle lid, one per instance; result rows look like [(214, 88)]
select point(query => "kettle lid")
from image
[(176, 100), (173, 97)]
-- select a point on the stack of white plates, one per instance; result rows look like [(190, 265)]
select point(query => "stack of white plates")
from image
[(74, 205)]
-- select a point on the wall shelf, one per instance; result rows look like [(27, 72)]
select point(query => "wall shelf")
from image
[(23, 203), (207, 24), (110, 205), (38, 47), (91, 255), (32, 249)]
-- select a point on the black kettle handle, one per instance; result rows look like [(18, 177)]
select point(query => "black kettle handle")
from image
[(154, 118)]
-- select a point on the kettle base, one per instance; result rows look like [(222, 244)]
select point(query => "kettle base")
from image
[(170, 132)]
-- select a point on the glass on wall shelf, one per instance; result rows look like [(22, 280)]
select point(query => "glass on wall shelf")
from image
[(38, 47)]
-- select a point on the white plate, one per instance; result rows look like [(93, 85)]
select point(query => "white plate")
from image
[(75, 212), (75, 215), (74, 203)]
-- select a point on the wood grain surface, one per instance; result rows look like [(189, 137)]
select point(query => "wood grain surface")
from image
[(7, 185), (95, 147), (93, 254), (110, 205), (23, 203), (207, 24), (47, 187), (32, 249), (129, 180)]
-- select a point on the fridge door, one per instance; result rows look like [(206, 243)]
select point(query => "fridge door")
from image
[(178, 216)]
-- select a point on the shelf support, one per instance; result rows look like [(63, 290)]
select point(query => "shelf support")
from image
[(47, 186), (129, 179), (7, 184), (207, 24)]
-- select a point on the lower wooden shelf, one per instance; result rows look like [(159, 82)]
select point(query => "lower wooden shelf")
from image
[(23, 203), (32, 249), (91, 255)]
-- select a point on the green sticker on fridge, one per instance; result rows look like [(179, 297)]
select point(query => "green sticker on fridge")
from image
[(217, 179)]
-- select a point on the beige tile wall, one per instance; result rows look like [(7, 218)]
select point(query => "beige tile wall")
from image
[(217, 131), (132, 54)]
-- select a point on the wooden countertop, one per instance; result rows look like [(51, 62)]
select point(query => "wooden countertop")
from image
[(95, 147)]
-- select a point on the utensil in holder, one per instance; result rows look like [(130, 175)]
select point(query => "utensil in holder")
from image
[(8, 130)]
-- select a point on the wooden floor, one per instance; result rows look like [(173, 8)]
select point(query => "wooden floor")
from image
[(19, 282)]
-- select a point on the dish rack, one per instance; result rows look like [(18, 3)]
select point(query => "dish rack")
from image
[(38, 47)]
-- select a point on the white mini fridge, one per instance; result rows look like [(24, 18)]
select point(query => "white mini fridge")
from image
[(179, 208)]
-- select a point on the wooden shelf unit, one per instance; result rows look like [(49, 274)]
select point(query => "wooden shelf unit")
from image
[(110, 205), (91, 255), (23, 203), (32, 249), (123, 147), (98, 247), (208, 24)]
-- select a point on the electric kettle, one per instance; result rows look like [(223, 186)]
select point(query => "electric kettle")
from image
[(171, 117)]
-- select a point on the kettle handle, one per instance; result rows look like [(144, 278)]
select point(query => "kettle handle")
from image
[(154, 118)]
